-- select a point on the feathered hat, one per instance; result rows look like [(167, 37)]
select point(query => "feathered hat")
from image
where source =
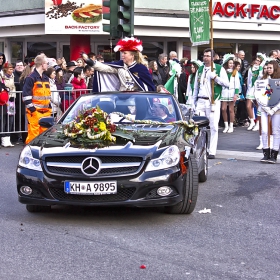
[(227, 57), (51, 62), (262, 56), (197, 62), (129, 44), (31, 61), (8, 65), (268, 59)]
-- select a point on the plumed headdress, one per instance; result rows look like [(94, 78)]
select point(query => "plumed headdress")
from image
[(268, 59), (129, 44), (7, 65), (262, 56), (51, 62), (31, 61), (197, 62), (227, 57)]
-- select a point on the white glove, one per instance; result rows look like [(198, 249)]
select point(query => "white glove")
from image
[(266, 109), (213, 75), (271, 112)]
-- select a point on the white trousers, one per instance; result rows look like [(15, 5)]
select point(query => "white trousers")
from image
[(203, 108), (275, 121)]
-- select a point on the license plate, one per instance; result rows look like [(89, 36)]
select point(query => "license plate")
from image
[(90, 188)]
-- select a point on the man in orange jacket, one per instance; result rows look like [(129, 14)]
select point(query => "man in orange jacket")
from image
[(37, 96)]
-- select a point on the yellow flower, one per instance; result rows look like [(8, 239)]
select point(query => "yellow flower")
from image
[(102, 126), (77, 125)]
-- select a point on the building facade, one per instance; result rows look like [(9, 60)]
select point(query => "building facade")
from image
[(162, 25)]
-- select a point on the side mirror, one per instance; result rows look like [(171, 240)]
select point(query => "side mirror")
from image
[(201, 121), (46, 122)]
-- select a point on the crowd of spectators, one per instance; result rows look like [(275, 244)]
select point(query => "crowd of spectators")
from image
[(68, 80)]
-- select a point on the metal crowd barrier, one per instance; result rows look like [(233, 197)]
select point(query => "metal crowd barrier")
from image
[(15, 121)]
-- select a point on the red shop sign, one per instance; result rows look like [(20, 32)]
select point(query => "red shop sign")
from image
[(236, 10)]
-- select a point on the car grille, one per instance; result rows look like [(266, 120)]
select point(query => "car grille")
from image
[(104, 159), (57, 167), (103, 172), (121, 195)]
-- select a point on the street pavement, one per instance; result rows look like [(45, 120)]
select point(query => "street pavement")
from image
[(239, 145), (238, 239)]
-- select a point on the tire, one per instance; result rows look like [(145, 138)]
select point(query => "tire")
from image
[(190, 191), (37, 208), (202, 176)]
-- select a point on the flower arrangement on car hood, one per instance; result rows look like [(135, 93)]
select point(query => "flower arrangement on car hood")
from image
[(91, 127)]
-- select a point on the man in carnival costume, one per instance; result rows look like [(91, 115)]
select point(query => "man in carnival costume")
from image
[(128, 74), (202, 95)]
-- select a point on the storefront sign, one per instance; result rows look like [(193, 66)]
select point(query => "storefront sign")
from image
[(199, 22), (73, 17), (249, 11)]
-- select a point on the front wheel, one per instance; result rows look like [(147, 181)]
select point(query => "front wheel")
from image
[(190, 191)]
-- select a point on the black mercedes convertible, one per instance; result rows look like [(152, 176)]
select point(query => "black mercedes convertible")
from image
[(135, 149)]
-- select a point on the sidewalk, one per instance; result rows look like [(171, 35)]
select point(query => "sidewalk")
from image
[(240, 145)]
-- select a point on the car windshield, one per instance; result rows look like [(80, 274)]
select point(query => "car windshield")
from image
[(137, 106)]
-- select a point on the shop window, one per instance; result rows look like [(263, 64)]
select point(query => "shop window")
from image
[(17, 51), (108, 53), (66, 52), (250, 51), (187, 50), (2, 47), (171, 46), (152, 50), (48, 48), (219, 48)]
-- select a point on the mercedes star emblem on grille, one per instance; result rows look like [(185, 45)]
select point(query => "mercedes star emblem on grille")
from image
[(90, 166)]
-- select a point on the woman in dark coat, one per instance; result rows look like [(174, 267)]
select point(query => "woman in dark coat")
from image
[(153, 69)]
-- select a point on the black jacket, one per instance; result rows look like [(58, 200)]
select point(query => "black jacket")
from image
[(164, 72), (157, 80), (16, 79), (244, 67)]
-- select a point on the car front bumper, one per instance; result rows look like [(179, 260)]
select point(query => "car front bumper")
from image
[(137, 191)]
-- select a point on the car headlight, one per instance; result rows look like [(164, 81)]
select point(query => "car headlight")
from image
[(170, 157), (26, 160)]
